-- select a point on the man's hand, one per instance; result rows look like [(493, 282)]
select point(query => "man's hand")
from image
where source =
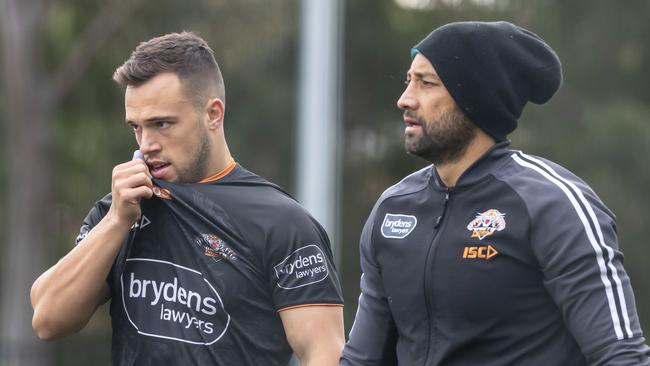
[(131, 182)]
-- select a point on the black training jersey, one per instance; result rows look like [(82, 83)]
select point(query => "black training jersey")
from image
[(518, 264), (204, 272)]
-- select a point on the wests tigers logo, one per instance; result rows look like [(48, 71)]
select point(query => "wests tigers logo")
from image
[(486, 223)]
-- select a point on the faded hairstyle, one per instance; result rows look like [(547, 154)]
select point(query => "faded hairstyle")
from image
[(185, 54)]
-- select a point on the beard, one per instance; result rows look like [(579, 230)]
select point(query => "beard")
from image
[(196, 168), (444, 140)]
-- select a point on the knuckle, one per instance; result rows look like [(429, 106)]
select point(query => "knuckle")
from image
[(118, 185)]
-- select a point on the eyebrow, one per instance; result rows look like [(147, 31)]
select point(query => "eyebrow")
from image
[(156, 119), (422, 75)]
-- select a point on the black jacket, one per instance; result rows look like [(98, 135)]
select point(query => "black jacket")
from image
[(516, 265)]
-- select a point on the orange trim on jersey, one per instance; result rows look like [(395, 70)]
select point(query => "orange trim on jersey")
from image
[(307, 305), (221, 174)]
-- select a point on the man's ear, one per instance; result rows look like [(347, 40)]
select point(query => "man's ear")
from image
[(215, 109)]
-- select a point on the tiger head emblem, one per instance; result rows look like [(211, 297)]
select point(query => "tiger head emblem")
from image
[(486, 223)]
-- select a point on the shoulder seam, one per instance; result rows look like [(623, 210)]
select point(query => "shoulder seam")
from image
[(384, 196)]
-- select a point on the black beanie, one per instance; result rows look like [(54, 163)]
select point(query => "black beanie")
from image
[(492, 69)]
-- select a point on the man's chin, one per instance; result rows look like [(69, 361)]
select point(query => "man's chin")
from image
[(171, 178), (412, 144), (415, 150)]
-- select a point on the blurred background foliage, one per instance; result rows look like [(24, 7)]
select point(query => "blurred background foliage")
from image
[(598, 125)]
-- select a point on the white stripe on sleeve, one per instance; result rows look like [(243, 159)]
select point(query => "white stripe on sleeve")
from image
[(564, 185)]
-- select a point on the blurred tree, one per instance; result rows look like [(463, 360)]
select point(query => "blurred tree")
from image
[(33, 94)]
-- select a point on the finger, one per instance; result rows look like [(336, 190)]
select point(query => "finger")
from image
[(137, 180), (123, 185), (134, 194), (126, 165), (140, 162), (130, 168)]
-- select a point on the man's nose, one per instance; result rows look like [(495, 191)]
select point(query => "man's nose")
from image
[(407, 100), (148, 142)]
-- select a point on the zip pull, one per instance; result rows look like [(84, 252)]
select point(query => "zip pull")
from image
[(444, 209)]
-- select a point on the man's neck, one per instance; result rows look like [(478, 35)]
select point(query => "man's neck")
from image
[(450, 172), (221, 158)]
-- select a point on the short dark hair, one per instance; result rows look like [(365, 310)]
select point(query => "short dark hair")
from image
[(185, 54)]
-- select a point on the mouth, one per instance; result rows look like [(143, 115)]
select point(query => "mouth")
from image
[(411, 123), (158, 168)]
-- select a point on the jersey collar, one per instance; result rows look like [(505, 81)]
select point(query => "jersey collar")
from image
[(480, 169)]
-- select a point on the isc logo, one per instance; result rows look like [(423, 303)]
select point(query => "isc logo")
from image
[(482, 252)]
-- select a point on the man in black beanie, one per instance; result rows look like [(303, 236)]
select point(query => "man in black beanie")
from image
[(489, 256)]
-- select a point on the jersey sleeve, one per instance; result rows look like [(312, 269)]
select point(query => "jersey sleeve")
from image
[(94, 216), (573, 236), (373, 336), (299, 262)]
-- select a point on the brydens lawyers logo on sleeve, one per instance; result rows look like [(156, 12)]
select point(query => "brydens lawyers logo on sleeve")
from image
[(397, 226), (305, 266)]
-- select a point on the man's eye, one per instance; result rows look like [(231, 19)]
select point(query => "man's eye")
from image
[(428, 83), (407, 81), (135, 128), (161, 124)]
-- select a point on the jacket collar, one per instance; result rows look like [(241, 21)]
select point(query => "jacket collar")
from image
[(480, 169)]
